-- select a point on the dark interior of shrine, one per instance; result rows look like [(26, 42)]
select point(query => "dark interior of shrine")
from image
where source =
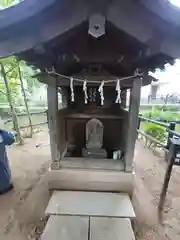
[(73, 119)]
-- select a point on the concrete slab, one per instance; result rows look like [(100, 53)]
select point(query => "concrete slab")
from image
[(90, 204), (111, 229), (66, 228)]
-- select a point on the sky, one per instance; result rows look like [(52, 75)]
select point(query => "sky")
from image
[(175, 2), (169, 80)]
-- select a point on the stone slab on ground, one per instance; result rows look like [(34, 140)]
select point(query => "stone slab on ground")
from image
[(87, 228), (66, 228), (111, 229), (90, 204)]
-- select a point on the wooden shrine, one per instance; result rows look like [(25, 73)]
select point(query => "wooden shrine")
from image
[(92, 52), (80, 48)]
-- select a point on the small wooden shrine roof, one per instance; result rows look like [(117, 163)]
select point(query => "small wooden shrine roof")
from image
[(138, 34)]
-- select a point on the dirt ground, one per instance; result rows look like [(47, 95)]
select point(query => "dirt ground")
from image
[(149, 177), (22, 210)]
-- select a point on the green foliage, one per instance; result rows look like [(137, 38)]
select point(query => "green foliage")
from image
[(10, 65), (171, 107), (168, 108), (156, 114), (170, 116), (28, 74), (8, 3), (155, 131), (31, 84)]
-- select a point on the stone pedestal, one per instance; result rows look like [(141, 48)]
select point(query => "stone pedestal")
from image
[(94, 153)]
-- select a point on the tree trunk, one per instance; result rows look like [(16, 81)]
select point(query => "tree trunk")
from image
[(14, 116), (25, 100)]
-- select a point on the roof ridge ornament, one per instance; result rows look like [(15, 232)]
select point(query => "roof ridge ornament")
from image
[(97, 25)]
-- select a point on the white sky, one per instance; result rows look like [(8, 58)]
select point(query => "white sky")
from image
[(169, 80), (175, 2)]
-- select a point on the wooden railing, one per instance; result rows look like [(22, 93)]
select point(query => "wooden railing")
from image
[(43, 115), (170, 128), (170, 159)]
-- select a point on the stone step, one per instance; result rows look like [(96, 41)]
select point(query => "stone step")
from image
[(97, 204), (111, 229), (66, 228), (90, 180), (85, 228)]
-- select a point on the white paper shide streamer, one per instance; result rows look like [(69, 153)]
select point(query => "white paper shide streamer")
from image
[(92, 94), (85, 91), (101, 91), (118, 89), (72, 89)]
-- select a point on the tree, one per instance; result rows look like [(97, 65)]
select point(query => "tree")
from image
[(8, 94), (10, 66), (25, 99), (8, 3), (28, 74)]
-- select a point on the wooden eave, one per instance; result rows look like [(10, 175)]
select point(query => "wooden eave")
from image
[(38, 31), (34, 22)]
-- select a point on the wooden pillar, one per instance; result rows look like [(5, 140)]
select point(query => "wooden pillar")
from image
[(132, 123), (52, 98)]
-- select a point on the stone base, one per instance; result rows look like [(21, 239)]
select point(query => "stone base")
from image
[(94, 153), (90, 180)]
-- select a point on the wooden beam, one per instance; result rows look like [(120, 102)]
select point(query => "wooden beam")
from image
[(133, 123), (52, 98)]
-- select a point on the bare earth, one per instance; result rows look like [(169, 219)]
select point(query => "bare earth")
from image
[(22, 211), (149, 177)]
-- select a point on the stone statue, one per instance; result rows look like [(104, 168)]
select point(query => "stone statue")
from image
[(94, 140), (94, 134)]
